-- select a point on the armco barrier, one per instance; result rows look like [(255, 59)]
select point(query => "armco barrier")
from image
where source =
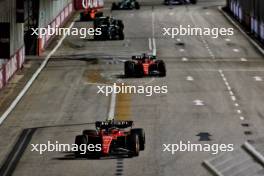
[(11, 66), (57, 22)]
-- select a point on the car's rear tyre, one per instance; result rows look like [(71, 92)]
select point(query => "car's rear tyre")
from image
[(129, 68), (114, 6), (161, 68), (193, 1), (90, 132), (80, 140), (121, 36), (139, 70), (141, 134), (137, 6), (99, 14), (135, 146)]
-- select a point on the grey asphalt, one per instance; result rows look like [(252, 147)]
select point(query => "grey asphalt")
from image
[(63, 100)]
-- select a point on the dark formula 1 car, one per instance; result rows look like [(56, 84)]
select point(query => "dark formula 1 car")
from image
[(179, 2), (144, 65), (126, 5), (114, 137), (90, 14), (112, 29)]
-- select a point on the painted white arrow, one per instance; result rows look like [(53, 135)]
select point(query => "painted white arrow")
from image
[(198, 103), (258, 78), (189, 78)]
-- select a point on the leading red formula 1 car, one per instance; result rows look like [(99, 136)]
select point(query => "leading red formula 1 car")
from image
[(145, 65), (113, 137)]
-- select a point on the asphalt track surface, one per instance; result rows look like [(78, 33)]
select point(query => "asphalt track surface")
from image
[(222, 75)]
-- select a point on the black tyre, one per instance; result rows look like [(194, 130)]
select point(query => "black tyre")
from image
[(79, 140), (193, 1), (141, 134), (139, 70), (129, 68), (121, 36), (161, 68), (99, 14), (120, 24), (137, 6), (82, 16), (134, 144), (90, 132), (114, 6)]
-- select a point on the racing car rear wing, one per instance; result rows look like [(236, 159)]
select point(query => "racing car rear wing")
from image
[(111, 124), (144, 56)]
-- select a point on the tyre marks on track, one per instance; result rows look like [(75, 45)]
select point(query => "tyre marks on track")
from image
[(16, 153)]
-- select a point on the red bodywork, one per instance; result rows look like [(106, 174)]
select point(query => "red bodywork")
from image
[(107, 138), (146, 62)]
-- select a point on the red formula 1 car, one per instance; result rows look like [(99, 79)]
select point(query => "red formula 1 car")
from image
[(113, 137), (144, 65), (90, 14)]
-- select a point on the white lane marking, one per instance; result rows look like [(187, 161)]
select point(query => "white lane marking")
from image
[(111, 112), (227, 39), (182, 50), (178, 39), (236, 105), (242, 118), (233, 98), (198, 102), (207, 13), (154, 47), (231, 93), (32, 79), (189, 78), (185, 59), (258, 78), (236, 50), (243, 59), (150, 44), (153, 23), (171, 13), (239, 111)]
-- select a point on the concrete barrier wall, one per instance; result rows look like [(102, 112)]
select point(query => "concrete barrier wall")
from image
[(9, 68), (58, 21), (250, 13)]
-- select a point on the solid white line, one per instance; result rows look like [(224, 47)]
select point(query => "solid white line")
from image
[(32, 79), (154, 47), (153, 24), (150, 44), (111, 112)]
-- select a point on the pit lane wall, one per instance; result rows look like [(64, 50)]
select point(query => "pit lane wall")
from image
[(16, 54), (54, 14), (250, 13)]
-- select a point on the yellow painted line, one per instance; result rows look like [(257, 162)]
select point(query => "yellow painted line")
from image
[(123, 106)]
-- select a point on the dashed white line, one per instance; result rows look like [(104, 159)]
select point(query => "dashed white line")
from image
[(238, 111), (258, 78), (236, 50), (185, 59), (243, 59), (189, 78), (242, 118)]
